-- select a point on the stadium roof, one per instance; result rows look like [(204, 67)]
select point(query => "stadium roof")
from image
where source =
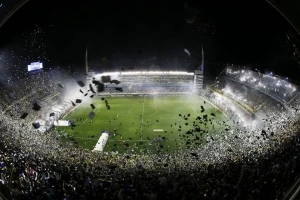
[(290, 10), (8, 8)]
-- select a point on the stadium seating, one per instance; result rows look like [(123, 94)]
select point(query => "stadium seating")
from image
[(272, 85), (250, 163)]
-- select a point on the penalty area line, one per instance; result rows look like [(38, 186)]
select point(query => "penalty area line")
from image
[(88, 118), (215, 106), (193, 110)]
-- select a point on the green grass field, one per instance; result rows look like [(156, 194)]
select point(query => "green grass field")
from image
[(146, 124)]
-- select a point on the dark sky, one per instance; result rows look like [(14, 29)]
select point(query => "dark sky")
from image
[(145, 33)]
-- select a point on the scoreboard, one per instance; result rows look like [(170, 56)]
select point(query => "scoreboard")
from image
[(35, 66)]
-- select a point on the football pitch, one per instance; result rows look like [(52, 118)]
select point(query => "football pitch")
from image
[(145, 124)]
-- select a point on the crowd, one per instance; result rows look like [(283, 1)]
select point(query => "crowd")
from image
[(152, 78), (153, 82), (151, 89), (248, 163), (241, 93), (274, 86)]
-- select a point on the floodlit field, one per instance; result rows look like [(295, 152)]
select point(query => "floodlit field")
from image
[(146, 124)]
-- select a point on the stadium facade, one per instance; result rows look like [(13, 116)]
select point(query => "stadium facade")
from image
[(154, 81)]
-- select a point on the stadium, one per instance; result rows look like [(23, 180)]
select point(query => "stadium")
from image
[(154, 119), (149, 134)]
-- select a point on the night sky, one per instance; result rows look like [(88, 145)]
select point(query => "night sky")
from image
[(145, 35)]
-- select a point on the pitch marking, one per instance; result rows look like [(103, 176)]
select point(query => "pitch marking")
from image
[(144, 116)]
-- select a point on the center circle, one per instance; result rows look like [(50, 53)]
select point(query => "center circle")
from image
[(143, 111)]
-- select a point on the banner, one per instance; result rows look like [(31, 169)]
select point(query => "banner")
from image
[(61, 123)]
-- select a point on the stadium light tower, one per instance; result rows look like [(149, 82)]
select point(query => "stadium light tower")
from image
[(86, 61), (198, 75), (89, 73), (202, 60)]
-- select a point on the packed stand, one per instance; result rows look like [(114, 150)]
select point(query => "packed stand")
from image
[(151, 82), (270, 84), (248, 163), (241, 93)]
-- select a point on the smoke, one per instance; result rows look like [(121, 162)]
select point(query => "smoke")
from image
[(187, 51)]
